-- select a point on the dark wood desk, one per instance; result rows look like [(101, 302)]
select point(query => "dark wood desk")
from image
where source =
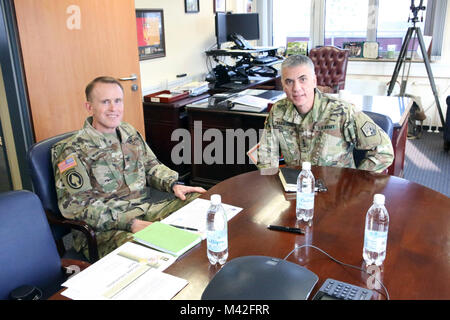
[(161, 119), (416, 266), (208, 175)]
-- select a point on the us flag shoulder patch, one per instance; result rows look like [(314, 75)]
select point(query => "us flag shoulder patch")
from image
[(68, 163)]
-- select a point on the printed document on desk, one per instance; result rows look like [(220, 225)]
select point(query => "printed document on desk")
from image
[(193, 215), (250, 103), (194, 88), (255, 100), (124, 271)]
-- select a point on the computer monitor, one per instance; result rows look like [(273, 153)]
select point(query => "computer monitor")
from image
[(221, 28), (244, 24)]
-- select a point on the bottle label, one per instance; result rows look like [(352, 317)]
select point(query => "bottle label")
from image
[(375, 241), (305, 200), (307, 185), (217, 241)]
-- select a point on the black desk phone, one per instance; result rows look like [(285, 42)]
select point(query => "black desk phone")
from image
[(240, 42), (337, 290)]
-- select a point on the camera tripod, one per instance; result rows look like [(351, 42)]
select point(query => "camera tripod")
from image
[(402, 57)]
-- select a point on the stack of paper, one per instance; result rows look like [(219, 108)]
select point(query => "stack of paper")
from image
[(131, 272), (194, 88), (193, 216), (250, 103)]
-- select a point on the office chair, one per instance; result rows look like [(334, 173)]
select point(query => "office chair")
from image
[(384, 122), (330, 65), (28, 254), (42, 176)]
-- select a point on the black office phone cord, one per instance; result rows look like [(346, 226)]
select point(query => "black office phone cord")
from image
[(340, 262)]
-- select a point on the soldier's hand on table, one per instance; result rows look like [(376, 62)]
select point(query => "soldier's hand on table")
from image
[(180, 190), (138, 225)]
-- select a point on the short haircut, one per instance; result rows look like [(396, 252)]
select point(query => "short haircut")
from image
[(102, 79), (297, 60)]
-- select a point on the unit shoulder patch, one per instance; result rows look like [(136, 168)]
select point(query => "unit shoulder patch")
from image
[(369, 129), (74, 180)]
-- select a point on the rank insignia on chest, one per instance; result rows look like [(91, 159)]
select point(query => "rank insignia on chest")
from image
[(369, 129)]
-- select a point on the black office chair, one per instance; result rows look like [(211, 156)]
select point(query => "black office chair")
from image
[(28, 254), (384, 122), (41, 170)]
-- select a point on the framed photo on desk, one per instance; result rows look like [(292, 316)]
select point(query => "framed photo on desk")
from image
[(150, 33)]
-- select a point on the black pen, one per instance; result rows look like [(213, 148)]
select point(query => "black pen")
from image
[(185, 228), (286, 229)]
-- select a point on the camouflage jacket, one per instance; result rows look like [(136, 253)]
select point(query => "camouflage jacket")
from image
[(325, 136), (102, 181)]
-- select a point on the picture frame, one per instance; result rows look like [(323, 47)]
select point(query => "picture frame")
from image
[(150, 33), (296, 48), (191, 6), (220, 5), (355, 48)]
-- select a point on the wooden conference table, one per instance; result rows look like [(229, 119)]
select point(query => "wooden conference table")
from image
[(417, 264)]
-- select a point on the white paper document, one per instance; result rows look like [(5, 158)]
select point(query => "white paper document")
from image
[(193, 215), (250, 103), (152, 285), (122, 273)]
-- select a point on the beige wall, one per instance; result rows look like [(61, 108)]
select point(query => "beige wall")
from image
[(187, 37)]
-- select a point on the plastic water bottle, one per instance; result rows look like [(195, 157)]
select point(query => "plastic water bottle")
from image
[(376, 232), (217, 231), (305, 193)]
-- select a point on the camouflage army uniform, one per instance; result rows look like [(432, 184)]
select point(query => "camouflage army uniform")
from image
[(325, 136), (102, 181)]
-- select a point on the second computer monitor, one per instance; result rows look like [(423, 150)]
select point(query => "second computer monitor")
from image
[(245, 24)]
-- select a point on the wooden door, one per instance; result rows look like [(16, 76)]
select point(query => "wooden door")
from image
[(67, 43)]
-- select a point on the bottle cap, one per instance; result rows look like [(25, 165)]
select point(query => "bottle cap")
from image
[(306, 165), (378, 198), (216, 199)]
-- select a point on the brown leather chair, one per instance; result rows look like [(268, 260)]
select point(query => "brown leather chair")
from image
[(331, 67)]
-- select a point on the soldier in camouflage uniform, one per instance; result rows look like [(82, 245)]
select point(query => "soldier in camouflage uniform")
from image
[(103, 171), (311, 126)]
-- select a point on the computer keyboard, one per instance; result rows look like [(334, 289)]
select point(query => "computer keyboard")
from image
[(265, 59)]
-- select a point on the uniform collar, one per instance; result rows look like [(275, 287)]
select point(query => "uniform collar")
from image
[(99, 139)]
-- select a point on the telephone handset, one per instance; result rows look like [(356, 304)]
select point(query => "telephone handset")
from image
[(240, 42)]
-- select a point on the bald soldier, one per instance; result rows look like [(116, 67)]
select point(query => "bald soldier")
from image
[(310, 126), (103, 171)]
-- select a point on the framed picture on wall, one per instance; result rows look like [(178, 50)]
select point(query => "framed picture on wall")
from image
[(220, 5), (150, 33), (191, 6)]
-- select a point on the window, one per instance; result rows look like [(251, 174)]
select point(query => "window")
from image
[(291, 21), (333, 22), (393, 24), (345, 21)]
